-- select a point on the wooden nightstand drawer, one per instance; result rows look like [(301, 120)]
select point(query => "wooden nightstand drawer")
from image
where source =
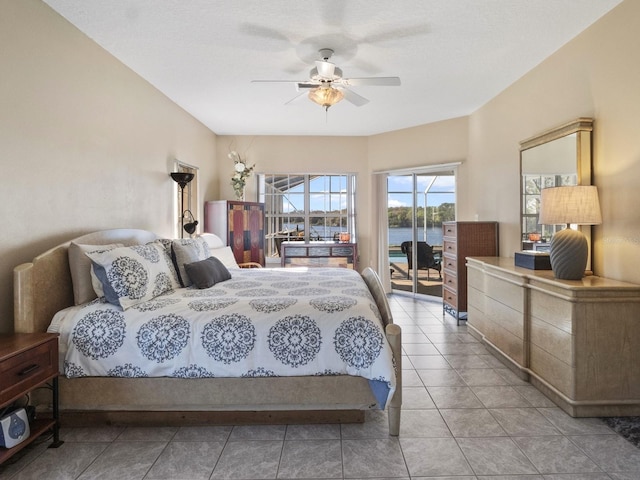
[(28, 361), (27, 367)]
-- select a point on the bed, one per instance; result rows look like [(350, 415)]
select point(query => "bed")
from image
[(44, 291)]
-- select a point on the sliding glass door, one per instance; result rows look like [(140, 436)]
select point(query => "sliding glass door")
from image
[(417, 204)]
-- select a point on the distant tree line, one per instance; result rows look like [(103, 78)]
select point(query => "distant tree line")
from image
[(400, 217)]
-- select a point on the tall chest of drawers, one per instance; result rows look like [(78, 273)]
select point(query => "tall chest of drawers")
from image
[(461, 240)]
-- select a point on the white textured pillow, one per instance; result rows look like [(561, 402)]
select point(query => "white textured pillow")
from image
[(213, 240), (82, 270), (188, 250), (136, 274), (225, 255)]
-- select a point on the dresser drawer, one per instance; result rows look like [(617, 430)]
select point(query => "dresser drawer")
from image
[(450, 281), (450, 263), (21, 372), (449, 230), (450, 298), (449, 246)]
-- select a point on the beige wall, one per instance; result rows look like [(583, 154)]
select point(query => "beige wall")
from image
[(419, 146), (86, 144), (299, 154), (595, 75)]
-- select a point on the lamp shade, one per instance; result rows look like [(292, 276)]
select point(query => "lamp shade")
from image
[(190, 227), (576, 204), (182, 178), (565, 205), (325, 96)]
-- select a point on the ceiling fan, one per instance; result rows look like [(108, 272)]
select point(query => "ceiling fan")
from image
[(326, 85)]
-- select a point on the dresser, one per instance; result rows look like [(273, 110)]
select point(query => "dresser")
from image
[(240, 225), (29, 361), (319, 254), (461, 240), (578, 341)]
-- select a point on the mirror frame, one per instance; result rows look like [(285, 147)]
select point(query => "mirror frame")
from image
[(583, 126)]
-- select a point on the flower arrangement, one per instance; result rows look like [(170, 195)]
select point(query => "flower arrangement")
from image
[(240, 174)]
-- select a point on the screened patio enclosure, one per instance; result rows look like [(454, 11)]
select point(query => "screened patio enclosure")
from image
[(306, 207)]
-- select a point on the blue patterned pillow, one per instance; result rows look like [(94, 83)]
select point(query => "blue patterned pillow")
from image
[(136, 274)]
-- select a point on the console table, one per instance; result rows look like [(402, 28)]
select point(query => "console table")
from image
[(319, 254), (578, 341)]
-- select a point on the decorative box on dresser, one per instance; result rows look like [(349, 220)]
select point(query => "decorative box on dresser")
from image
[(578, 341), (460, 240), (240, 224), (29, 361)]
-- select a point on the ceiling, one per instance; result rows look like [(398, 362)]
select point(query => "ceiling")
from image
[(452, 56)]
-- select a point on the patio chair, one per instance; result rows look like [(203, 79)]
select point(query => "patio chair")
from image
[(426, 258)]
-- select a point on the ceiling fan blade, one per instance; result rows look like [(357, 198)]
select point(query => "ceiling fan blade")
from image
[(325, 69), (297, 97), (304, 85), (354, 98), (372, 81), (278, 81)]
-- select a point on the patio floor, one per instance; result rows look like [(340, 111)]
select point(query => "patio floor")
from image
[(428, 284)]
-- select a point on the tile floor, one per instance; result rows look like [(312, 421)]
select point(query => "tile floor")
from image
[(464, 417)]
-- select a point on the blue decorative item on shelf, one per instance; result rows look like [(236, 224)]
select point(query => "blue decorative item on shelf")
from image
[(14, 428)]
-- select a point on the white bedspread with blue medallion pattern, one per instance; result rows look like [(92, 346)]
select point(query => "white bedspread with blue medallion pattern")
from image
[(261, 322)]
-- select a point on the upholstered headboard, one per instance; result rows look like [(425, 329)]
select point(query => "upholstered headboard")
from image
[(43, 286)]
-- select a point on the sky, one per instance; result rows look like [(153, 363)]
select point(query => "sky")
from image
[(400, 190)]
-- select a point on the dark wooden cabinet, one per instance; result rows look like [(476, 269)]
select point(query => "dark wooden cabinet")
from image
[(459, 241), (28, 361), (240, 225)]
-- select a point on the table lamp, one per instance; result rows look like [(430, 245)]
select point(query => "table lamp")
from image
[(577, 205)]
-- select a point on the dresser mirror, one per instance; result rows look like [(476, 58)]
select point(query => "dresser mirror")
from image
[(557, 157)]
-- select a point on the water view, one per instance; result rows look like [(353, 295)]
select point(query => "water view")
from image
[(399, 235)]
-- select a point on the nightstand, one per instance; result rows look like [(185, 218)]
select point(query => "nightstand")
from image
[(29, 361)]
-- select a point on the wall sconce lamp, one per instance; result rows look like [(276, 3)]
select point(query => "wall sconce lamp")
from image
[(190, 227), (182, 179), (576, 205)]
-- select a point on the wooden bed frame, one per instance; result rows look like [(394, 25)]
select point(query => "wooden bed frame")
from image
[(43, 287)]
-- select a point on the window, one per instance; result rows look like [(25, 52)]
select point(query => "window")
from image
[(532, 186), (307, 207)]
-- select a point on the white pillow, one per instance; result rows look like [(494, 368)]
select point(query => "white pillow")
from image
[(82, 270), (225, 255), (136, 274), (188, 250), (213, 240)]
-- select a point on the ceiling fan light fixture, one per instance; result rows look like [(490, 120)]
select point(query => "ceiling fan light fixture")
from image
[(325, 96)]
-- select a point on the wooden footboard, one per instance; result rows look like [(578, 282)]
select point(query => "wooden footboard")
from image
[(43, 287)]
